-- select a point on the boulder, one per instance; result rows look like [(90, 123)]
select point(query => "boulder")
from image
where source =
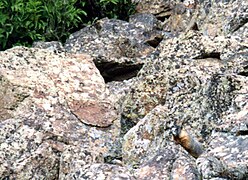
[(116, 45), (52, 102), (225, 157)]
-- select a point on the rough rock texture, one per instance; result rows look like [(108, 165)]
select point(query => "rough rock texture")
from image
[(184, 64), (52, 46), (221, 18), (226, 157), (115, 44), (102, 171), (47, 101)]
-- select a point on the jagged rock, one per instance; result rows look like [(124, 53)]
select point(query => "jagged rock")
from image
[(146, 138), (185, 65), (160, 8), (226, 157), (116, 45), (39, 121), (212, 18), (221, 17), (74, 158), (146, 21), (188, 67), (159, 167), (182, 18), (196, 83)]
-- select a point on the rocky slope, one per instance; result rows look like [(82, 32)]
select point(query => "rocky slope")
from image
[(105, 104)]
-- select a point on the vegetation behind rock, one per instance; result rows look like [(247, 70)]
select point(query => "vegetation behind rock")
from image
[(22, 22)]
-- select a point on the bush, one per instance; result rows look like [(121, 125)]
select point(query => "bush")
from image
[(24, 21)]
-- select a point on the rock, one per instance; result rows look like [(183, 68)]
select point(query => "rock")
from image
[(116, 45), (161, 9), (222, 17), (146, 21), (111, 114), (102, 171), (158, 167), (199, 83), (74, 158), (53, 46), (187, 63), (146, 138), (226, 157), (182, 18), (39, 117), (210, 18)]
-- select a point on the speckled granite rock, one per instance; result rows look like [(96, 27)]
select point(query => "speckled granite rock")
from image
[(160, 8), (226, 157), (212, 18), (109, 38), (59, 120), (52, 45), (189, 67), (51, 103), (101, 171), (117, 45), (221, 17), (195, 81)]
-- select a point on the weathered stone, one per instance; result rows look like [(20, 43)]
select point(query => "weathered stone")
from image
[(101, 171), (182, 18), (222, 17), (199, 83), (110, 38), (159, 167), (146, 21), (185, 168), (74, 158), (39, 88), (116, 45), (227, 157), (52, 46), (146, 138), (188, 67), (159, 8)]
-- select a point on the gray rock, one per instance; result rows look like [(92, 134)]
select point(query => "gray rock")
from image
[(52, 46), (117, 45), (102, 171), (226, 157), (39, 121)]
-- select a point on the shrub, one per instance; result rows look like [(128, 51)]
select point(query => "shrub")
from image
[(24, 21)]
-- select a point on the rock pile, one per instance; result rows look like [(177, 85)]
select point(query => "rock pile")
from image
[(104, 104)]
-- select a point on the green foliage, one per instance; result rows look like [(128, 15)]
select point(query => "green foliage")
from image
[(24, 21), (120, 9)]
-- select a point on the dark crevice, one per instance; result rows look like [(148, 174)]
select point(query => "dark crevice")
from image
[(237, 26), (245, 72), (204, 55), (163, 18), (126, 125), (112, 71), (155, 41), (195, 27), (111, 160)]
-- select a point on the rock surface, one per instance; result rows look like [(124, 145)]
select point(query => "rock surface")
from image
[(115, 44), (42, 95), (110, 114)]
